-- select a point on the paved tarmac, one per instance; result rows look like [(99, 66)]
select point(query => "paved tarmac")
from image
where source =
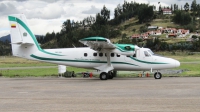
[(179, 94)]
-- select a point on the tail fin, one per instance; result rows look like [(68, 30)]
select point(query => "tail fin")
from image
[(23, 41)]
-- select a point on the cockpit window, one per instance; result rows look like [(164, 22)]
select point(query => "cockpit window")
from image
[(150, 52), (146, 54)]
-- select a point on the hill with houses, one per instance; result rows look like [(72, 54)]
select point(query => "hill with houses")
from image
[(160, 28)]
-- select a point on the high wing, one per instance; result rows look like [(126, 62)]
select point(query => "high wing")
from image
[(97, 43), (101, 44)]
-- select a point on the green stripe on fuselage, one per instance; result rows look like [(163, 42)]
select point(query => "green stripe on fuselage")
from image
[(147, 62), (84, 61)]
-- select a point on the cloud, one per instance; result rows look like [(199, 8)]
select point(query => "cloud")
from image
[(50, 11), (92, 10), (41, 27), (19, 0), (4, 33), (7, 8)]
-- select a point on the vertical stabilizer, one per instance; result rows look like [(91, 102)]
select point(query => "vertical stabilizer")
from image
[(23, 40)]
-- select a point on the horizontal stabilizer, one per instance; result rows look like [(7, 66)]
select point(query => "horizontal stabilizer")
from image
[(23, 43), (105, 68)]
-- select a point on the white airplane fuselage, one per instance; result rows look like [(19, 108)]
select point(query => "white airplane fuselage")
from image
[(84, 58)]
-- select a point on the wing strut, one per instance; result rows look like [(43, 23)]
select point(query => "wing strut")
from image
[(106, 67)]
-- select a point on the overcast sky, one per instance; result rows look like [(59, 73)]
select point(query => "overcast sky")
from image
[(48, 15)]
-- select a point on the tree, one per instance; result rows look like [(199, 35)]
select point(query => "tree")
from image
[(160, 9), (66, 27), (186, 7), (175, 7), (105, 14), (198, 9), (182, 18), (171, 7), (145, 13), (194, 6)]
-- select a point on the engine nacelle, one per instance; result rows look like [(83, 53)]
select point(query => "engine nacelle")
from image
[(125, 49)]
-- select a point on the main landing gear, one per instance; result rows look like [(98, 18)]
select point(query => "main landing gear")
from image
[(105, 76), (157, 75)]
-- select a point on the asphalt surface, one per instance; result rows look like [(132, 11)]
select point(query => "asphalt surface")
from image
[(179, 94)]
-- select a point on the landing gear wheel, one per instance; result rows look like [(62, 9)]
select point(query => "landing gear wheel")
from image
[(157, 75), (103, 76), (110, 75)]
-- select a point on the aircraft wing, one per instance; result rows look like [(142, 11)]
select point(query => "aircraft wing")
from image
[(101, 44), (97, 43)]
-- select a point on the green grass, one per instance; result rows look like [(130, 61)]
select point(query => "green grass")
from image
[(163, 23), (41, 72), (181, 56), (10, 61), (193, 68), (77, 70), (38, 72)]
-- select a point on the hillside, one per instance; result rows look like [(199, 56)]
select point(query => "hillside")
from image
[(132, 26), (132, 23), (4, 38)]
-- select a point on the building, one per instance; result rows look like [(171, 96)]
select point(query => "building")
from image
[(152, 28), (166, 11)]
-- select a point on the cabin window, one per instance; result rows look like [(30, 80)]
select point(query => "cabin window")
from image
[(118, 55), (127, 56), (146, 54), (112, 54), (94, 54), (85, 54), (105, 55), (100, 54)]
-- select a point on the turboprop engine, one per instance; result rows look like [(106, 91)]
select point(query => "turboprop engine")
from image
[(125, 49)]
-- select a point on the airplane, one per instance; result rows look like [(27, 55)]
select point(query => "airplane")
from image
[(100, 54)]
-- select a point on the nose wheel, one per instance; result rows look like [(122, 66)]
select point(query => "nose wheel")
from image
[(157, 75)]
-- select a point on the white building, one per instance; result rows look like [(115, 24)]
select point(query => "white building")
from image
[(166, 11)]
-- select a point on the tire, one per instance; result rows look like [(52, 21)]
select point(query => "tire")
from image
[(110, 75), (157, 75), (103, 76)]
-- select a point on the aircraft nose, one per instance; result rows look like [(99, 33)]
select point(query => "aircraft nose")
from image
[(177, 63)]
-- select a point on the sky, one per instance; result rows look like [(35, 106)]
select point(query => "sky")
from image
[(48, 15)]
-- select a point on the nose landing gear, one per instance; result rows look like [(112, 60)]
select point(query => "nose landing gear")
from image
[(157, 75)]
